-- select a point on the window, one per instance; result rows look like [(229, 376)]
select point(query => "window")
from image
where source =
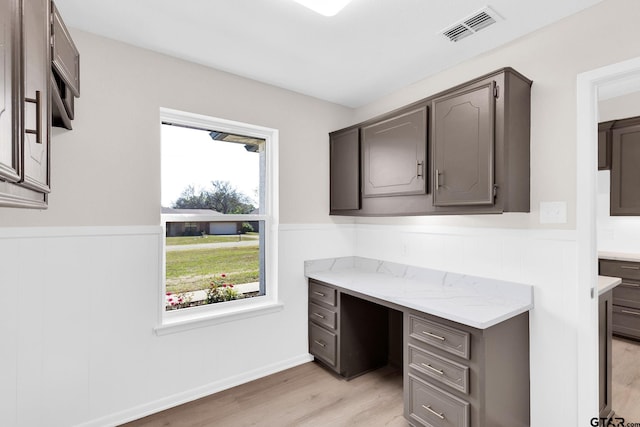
[(218, 213)]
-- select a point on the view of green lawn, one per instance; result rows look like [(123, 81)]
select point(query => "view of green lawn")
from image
[(193, 269), (198, 240)]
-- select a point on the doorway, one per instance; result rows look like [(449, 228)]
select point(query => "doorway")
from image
[(622, 77)]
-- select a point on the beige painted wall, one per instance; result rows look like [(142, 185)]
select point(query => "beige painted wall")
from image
[(107, 170), (552, 58)]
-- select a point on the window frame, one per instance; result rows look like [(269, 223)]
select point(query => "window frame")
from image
[(184, 319)]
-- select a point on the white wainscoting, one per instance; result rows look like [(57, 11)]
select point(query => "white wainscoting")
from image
[(80, 305)]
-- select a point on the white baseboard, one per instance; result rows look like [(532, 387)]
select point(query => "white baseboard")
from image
[(196, 393)]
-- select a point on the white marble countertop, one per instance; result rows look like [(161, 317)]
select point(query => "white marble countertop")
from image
[(606, 283), (474, 301), (619, 256)]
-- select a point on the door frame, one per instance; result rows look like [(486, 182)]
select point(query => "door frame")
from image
[(620, 76)]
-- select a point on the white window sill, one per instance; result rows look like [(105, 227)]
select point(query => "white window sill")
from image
[(198, 317)]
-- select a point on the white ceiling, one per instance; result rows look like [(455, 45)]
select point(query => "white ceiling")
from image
[(368, 50)]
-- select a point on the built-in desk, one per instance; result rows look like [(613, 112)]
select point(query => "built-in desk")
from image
[(464, 340)]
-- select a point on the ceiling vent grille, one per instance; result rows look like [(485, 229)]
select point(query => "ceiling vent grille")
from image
[(471, 24)]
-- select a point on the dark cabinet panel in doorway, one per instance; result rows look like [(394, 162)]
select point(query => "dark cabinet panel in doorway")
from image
[(394, 155), (463, 147), (625, 172)]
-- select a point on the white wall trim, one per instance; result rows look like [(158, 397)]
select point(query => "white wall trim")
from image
[(83, 231), (195, 393), (588, 85)]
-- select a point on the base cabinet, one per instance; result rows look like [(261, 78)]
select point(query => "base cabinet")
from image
[(625, 319), (454, 375)]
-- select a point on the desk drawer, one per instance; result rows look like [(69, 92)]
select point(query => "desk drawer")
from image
[(623, 269), (323, 316), (439, 369), (627, 294), (433, 407), (322, 344), (448, 339), (626, 321), (321, 293)]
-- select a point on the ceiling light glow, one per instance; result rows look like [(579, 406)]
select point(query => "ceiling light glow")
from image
[(324, 7)]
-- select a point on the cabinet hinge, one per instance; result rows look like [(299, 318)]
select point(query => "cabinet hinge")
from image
[(496, 91)]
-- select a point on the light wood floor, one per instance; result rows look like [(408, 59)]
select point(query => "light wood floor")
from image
[(626, 379), (306, 395)]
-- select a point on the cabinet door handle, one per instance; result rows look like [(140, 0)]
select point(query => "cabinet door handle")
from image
[(630, 267), (635, 313), (633, 285), (38, 130), (434, 335), (432, 368), (320, 294), (437, 414), (318, 315), (438, 173), (420, 169), (320, 343)]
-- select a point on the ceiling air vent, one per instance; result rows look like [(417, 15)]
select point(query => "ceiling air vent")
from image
[(471, 24)]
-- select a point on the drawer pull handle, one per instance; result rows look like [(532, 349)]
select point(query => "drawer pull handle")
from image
[(318, 315), (320, 343), (632, 285), (439, 415), (630, 267), (432, 368), (434, 335), (320, 294), (635, 313)]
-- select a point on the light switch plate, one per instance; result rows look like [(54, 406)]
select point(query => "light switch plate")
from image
[(553, 212)]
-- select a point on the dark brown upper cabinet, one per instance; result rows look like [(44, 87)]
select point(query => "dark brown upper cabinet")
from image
[(394, 155), (65, 76), (470, 155), (25, 107), (463, 151), (344, 160), (604, 145), (625, 172)]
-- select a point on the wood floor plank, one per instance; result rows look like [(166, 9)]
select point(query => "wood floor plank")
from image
[(626, 379), (304, 396)]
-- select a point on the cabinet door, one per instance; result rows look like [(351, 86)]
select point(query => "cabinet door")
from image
[(625, 172), (36, 70), (463, 147), (9, 103), (66, 59), (344, 158), (394, 155)]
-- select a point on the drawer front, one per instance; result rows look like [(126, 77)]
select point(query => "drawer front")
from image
[(448, 339), (323, 316), (442, 370), (626, 321), (322, 294), (322, 344), (431, 406), (623, 269), (627, 294)]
